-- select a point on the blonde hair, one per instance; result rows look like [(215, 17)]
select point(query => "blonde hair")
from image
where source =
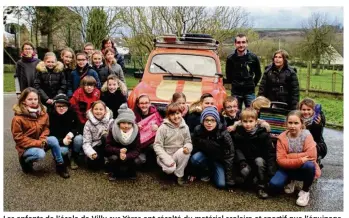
[(121, 85), (50, 54), (72, 64), (260, 102), (249, 113), (298, 114)]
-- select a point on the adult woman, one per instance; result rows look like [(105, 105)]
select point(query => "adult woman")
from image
[(280, 82)]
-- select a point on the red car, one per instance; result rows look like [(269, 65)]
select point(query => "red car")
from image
[(187, 64)]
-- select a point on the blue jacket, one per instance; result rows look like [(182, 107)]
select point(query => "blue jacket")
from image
[(76, 77)]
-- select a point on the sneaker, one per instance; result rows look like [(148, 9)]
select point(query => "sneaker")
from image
[(289, 188), (180, 181), (262, 194), (112, 177), (205, 179), (303, 198)]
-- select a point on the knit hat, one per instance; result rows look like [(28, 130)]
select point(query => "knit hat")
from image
[(61, 98), (210, 111), (125, 114)]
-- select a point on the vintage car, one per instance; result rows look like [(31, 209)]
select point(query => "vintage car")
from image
[(187, 64)]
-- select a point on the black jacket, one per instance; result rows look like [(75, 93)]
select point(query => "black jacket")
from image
[(280, 86), (316, 131), (113, 100), (61, 125), (48, 82), (248, 147), (102, 72), (243, 72), (218, 146), (25, 72)]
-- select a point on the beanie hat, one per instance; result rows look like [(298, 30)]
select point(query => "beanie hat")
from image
[(125, 114), (61, 98), (210, 111)]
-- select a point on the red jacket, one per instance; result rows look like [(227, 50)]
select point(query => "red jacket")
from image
[(81, 102)]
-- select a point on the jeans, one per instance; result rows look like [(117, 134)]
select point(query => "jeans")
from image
[(56, 149), (258, 168), (246, 99), (305, 173), (33, 154), (200, 161), (77, 143)]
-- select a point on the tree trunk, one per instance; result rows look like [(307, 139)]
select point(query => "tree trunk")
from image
[(49, 41), (317, 71), (308, 79)]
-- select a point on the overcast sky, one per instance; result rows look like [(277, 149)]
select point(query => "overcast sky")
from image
[(290, 17)]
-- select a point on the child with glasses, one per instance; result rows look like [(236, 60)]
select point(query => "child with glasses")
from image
[(82, 69), (230, 113)]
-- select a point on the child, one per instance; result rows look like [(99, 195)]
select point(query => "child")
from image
[(255, 153), (296, 156), (142, 110), (99, 67), (83, 97), (108, 43), (196, 108), (69, 62), (83, 69), (230, 113), (173, 143), (180, 98), (64, 129), (89, 49), (30, 130), (260, 102), (114, 93), (26, 68), (95, 134), (113, 67), (315, 125), (50, 79), (214, 150), (123, 144)]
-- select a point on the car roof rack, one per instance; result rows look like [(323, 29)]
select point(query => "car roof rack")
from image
[(173, 41)]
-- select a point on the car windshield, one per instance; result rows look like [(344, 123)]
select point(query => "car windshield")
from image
[(195, 64)]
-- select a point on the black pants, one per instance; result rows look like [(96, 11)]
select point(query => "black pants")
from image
[(257, 168), (97, 163), (121, 167)]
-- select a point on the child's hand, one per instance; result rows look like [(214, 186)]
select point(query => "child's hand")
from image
[(140, 126), (122, 156), (307, 158), (67, 140), (185, 150), (172, 164), (123, 150), (318, 119), (49, 101), (230, 128), (94, 156), (154, 127)]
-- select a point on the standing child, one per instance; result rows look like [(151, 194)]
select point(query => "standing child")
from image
[(69, 62), (255, 153), (30, 130), (25, 68), (83, 98), (50, 79), (230, 113), (95, 134), (113, 67), (82, 69), (315, 123), (64, 131), (114, 94), (214, 150), (296, 156), (173, 143), (99, 67), (180, 98), (123, 144)]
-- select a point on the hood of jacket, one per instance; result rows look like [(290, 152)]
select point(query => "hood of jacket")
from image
[(168, 123), (18, 111), (42, 68), (106, 119), (195, 107)]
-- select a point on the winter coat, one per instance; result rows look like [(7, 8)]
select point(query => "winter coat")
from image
[(102, 72), (28, 131), (50, 82), (25, 73), (169, 139), (94, 130), (243, 72), (81, 102), (288, 160), (229, 121), (113, 100), (67, 74), (61, 125), (217, 145), (77, 76), (248, 147), (114, 143), (193, 118), (117, 70), (316, 131), (281, 86)]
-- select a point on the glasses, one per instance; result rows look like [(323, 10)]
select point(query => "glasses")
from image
[(209, 120), (229, 108), (62, 106), (240, 42), (81, 59)]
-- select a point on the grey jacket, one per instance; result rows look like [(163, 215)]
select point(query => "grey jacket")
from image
[(169, 139), (94, 130), (117, 70)]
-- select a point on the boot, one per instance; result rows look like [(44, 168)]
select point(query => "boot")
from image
[(61, 169), (26, 167), (73, 161)]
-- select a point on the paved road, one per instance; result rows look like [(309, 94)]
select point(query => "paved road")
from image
[(91, 191)]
